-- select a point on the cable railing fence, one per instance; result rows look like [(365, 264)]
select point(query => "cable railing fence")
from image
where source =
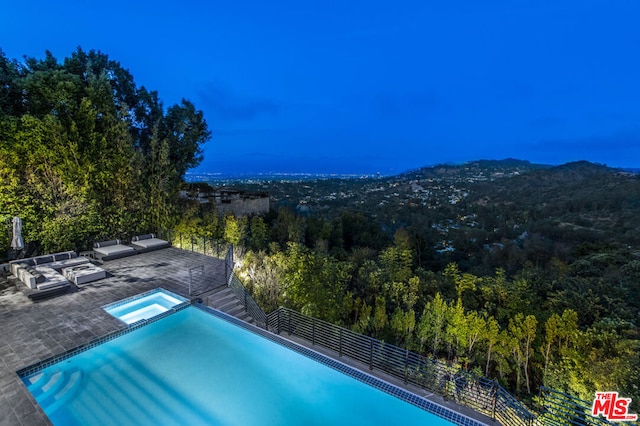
[(465, 388)]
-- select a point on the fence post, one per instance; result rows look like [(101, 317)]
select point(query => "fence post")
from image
[(289, 323), (340, 343), (495, 400), (313, 331), (278, 320), (371, 355), (406, 366)]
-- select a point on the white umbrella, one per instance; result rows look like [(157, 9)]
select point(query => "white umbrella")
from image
[(16, 242)]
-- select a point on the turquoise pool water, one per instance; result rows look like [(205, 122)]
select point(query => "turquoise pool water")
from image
[(145, 306), (192, 368)]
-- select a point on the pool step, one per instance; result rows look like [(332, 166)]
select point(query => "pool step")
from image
[(140, 397), (52, 390)]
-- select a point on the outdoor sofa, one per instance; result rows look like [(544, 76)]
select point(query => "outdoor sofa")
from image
[(42, 274), (112, 249), (148, 242)]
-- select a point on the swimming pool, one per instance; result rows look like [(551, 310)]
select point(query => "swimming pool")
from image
[(144, 306), (192, 368)]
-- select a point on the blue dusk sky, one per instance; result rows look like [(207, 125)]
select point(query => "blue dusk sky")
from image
[(370, 86)]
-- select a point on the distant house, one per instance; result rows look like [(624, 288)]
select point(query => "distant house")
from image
[(236, 202)]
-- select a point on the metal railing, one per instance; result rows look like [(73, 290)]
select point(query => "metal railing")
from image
[(229, 264), (479, 393), (250, 305), (241, 292), (197, 244), (562, 408)]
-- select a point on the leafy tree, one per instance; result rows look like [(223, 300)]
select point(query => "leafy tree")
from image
[(490, 337), (380, 319), (259, 233), (433, 323), (522, 332)]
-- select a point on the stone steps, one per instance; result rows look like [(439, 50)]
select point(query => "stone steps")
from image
[(223, 299)]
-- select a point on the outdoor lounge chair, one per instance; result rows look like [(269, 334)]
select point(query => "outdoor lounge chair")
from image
[(112, 249), (148, 242)]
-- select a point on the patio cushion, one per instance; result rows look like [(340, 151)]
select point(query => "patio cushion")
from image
[(64, 256), (107, 243), (53, 278), (143, 237), (35, 274), (41, 260)]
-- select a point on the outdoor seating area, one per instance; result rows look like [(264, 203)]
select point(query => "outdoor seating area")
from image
[(47, 275)]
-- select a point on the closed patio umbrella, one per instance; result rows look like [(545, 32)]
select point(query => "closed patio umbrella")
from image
[(17, 243)]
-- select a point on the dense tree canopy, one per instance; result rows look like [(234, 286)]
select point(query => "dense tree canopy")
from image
[(85, 153)]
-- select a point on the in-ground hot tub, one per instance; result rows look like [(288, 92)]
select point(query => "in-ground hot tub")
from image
[(144, 306)]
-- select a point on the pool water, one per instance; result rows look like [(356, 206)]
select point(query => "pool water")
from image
[(145, 306), (193, 368)]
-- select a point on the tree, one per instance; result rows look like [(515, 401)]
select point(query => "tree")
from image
[(403, 324), (433, 323), (380, 319), (461, 282), (235, 232), (475, 330), (259, 233), (185, 131), (522, 331), (491, 337), (457, 329), (551, 327)]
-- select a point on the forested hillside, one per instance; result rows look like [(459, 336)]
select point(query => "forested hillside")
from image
[(524, 273), (85, 153)]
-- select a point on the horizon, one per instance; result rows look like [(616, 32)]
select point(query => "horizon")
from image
[(193, 175)]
